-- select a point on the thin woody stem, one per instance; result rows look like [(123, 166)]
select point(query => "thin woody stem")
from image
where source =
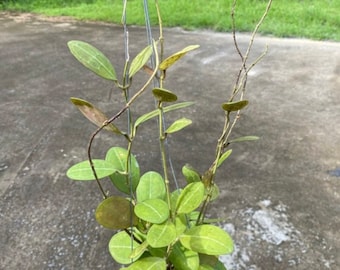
[(240, 84), (113, 118)]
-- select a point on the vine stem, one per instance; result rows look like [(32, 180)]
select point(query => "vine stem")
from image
[(116, 116), (162, 139), (245, 57), (160, 23), (239, 85)]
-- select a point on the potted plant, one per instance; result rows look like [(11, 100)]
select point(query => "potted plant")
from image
[(157, 227)]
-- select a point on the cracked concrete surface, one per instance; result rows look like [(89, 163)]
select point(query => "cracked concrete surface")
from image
[(280, 195)]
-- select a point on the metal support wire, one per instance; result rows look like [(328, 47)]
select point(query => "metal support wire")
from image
[(127, 59), (156, 84), (127, 97), (149, 36)]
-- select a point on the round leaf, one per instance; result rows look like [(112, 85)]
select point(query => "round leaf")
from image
[(161, 235), (93, 59), (235, 105), (151, 186), (207, 239), (121, 246), (190, 198), (115, 213), (148, 263), (117, 156), (83, 170), (154, 211), (164, 95)]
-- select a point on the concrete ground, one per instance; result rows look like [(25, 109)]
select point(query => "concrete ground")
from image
[(281, 194)]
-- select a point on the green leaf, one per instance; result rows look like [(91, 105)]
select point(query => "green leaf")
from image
[(244, 138), (140, 60), (118, 156), (154, 210), (93, 59), (138, 251), (190, 198), (190, 174), (205, 267), (158, 252), (224, 157), (168, 62), (214, 192), (207, 239), (161, 235), (93, 114), (120, 246), (148, 263), (180, 223), (151, 186), (193, 216), (83, 170), (183, 258), (174, 198), (234, 105), (219, 266), (210, 262), (178, 125), (154, 113), (164, 95), (115, 213)]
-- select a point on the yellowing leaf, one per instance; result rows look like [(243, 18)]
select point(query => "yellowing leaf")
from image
[(166, 63), (164, 95), (115, 213)]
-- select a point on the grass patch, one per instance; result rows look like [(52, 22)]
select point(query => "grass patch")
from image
[(313, 19)]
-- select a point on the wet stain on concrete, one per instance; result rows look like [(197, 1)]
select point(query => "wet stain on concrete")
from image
[(335, 172)]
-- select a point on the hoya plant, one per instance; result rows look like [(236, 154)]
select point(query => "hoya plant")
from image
[(155, 226)]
